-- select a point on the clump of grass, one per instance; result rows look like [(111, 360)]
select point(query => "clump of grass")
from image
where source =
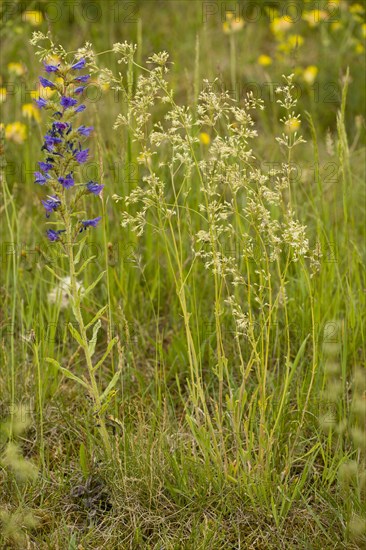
[(16, 473)]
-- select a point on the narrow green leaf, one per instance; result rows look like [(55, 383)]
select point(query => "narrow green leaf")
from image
[(74, 310), (96, 317), (93, 340), (76, 335), (78, 254), (106, 353), (66, 372), (53, 362), (54, 273), (109, 398), (111, 385), (85, 264), (90, 287)]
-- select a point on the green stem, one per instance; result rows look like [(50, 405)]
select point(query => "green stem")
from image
[(79, 317)]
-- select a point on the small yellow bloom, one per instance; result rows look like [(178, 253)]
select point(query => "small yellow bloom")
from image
[(280, 25), (16, 68), (359, 48), (2, 95), (292, 125), (44, 93), (295, 41), (336, 26), (237, 25), (30, 111), (314, 17), (264, 60), (33, 17), (232, 24), (16, 131), (52, 59), (356, 8), (102, 85), (310, 73), (205, 138), (363, 30)]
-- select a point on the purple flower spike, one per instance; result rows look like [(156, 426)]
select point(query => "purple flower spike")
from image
[(46, 83), (90, 223), (50, 142), (67, 102), (67, 181), (54, 235), (40, 178), (60, 126), (64, 149), (85, 130), (79, 65), (83, 78), (45, 166), (81, 156), (51, 204), (94, 187), (41, 102), (51, 68), (80, 109)]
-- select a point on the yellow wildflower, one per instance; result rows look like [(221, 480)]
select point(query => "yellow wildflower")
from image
[(30, 111), (359, 48), (205, 138), (292, 125), (2, 95), (45, 93), (356, 8), (314, 17), (33, 17), (52, 59), (336, 26), (232, 24), (280, 25), (102, 84), (16, 131), (237, 25), (310, 73), (295, 41), (264, 60), (363, 30), (16, 68)]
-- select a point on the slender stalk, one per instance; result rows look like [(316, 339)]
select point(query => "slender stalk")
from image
[(79, 317)]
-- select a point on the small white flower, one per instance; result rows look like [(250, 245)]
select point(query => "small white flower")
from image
[(60, 294)]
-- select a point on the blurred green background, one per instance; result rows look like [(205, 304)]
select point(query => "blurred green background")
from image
[(315, 40)]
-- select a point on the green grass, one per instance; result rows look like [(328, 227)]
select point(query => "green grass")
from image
[(218, 439)]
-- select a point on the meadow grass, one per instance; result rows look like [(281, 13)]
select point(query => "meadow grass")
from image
[(234, 284)]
